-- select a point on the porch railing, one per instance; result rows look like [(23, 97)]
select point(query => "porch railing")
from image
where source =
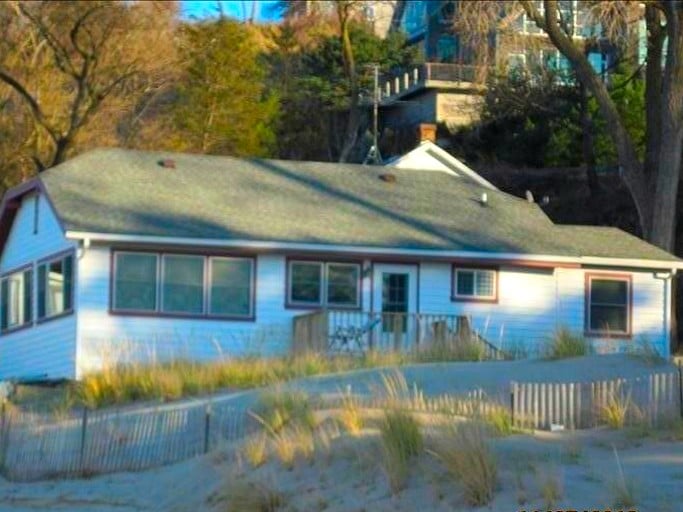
[(337, 331), (406, 80)]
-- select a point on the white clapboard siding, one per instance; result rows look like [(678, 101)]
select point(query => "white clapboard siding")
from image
[(50, 348)]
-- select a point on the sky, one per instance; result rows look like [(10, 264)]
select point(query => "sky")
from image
[(240, 9)]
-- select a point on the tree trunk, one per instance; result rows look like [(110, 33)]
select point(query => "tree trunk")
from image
[(353, 122), (588, 145)]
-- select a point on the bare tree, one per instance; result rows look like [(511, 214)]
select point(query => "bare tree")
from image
[(653, 183), (88, 55)]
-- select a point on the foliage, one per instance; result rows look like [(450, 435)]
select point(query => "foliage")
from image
[(255, 450), (465, 453), (285, 408), (401, 442), (311, 78), (350, 415), (453, 350), (564, 343), (616, 409)]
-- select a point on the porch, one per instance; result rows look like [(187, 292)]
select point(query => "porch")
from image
[(357, 332)]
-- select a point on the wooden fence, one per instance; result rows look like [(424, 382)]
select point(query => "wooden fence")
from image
[(35, 446), (577, 405)]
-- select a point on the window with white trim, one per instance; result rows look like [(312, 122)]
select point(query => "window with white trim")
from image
[(319, 284), (231, 286), (16, 300), (474, 283), (609, 305), (183, 284), (55, 287), (135, 281)]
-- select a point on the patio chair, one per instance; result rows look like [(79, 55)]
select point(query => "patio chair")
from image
[(350, 338)]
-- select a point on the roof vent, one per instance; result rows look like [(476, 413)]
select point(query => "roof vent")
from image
[(388, 178), (484, 199), (167, 163), (529, 196)]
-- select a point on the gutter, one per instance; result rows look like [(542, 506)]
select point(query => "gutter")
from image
[(520, 259)]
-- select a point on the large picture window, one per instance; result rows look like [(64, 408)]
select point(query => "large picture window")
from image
[(55, 287), (609, 305), (320, 284), (475, 284), (183, 284), (16, 299)]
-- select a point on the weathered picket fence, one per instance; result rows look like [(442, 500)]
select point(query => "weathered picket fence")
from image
[(36, 446), (577, 405)]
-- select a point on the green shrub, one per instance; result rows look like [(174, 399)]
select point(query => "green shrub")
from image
[(564, 343)]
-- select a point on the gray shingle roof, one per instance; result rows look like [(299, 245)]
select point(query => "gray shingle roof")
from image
[(119, 191)]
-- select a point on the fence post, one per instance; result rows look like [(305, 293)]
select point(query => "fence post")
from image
[(84, 428), (207, 427), (680, 388), (513, 387)]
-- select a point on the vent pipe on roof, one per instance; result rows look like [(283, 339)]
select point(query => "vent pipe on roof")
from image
[(167, 163), (388, 177), (529, 196), (484, 199)]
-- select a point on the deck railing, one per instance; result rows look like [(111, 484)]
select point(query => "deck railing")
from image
[(401, 82), (356, 332)]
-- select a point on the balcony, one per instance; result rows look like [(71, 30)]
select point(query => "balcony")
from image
[(430, 75)]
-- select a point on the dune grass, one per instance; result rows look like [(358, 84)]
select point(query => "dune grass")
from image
[(564, 343), (467, 456), (120, 384), (401, 443)]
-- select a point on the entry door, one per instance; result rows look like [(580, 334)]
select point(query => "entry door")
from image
[(395, 295)]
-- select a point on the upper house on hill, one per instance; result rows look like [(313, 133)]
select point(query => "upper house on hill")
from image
[(130, 255)]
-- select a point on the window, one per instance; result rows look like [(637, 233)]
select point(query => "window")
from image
[(342, 284), (55, 287), (135, 283), (231, 281), (17, 300), (475, 284), (183, 284), (609, 304), (394, 300), (314, 283)]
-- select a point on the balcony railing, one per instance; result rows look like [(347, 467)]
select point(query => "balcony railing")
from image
[(400, 83), (356, 332)]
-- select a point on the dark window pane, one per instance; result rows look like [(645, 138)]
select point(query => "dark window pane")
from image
[(394, 300), (342, 284), (183, 283), (609, 318), (485, 283), (609, 291), (306, 282), (465, 282), (231, 281), (136, 282), (54, 290)]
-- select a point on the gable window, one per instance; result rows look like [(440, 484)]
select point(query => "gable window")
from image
[(475, 284), (183, 284), (55, 287), (320, 284), (231, 286), (16, 290), (609, 304), (135, 282)]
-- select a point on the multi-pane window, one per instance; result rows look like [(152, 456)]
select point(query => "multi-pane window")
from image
[(16, 292), (475, 284), (608, 309), (315, 283), (183, 284), (394, 301), (55, 287)]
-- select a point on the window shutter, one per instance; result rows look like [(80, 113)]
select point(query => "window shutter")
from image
[(42, 298), (68, 282), (28, 297), (4, 296)]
